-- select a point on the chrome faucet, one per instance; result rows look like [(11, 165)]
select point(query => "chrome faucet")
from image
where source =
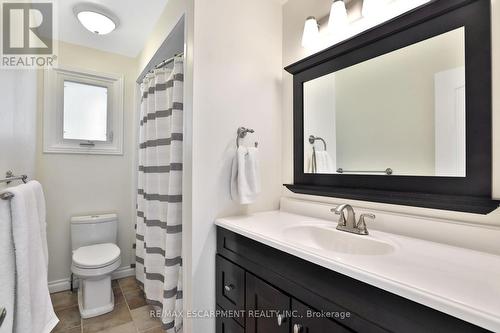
[(349, 224)]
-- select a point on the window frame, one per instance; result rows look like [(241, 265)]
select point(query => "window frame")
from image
[(53, 116)]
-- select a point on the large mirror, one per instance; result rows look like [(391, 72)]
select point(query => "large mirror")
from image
[(401, 113)]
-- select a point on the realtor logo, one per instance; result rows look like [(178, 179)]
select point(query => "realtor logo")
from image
[(27, 34)]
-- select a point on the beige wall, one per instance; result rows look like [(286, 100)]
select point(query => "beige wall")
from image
[(77, 184), (294, 13)]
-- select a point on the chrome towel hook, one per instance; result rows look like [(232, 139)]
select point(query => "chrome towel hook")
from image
[(242, 133)]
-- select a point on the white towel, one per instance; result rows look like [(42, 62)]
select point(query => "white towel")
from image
[(36, 188), (7, 272), (33, 307), (245, 178), (324, 163)]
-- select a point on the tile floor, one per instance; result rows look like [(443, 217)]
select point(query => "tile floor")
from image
[(130, 315)]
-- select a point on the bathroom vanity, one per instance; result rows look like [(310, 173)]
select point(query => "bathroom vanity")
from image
[(399, 114), (282, 272)]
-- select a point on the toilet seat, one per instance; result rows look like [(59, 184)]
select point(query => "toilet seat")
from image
[(96, 256)]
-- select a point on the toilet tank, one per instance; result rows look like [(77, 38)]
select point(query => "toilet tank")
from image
[(93, 229)]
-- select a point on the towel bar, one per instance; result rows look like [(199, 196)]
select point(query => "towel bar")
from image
[(387, 171), (9, 176)]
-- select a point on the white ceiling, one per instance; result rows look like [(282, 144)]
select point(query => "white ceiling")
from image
[(137, 20)]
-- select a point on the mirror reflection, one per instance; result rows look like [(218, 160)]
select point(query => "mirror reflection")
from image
[(402, 113)]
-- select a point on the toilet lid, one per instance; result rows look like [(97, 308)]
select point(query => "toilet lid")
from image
[(94, 256)]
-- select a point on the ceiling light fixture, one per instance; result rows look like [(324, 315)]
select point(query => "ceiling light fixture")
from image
[(338, 16), (310, 36), (96, 19)]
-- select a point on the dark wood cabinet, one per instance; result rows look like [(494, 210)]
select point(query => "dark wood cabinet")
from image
[(267, 308), (227, 324), (230, 288), (264, 283), (308, 320)]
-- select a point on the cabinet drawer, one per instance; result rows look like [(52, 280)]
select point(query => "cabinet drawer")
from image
[(227, 325), (230, 287)]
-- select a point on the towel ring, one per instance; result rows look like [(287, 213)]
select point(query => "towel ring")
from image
[(313, 139), (242, 133)]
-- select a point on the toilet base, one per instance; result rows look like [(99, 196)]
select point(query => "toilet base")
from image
[(95, 297)]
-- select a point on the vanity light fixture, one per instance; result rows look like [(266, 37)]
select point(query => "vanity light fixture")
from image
[(338, 16), (96, 19), (310, 36)]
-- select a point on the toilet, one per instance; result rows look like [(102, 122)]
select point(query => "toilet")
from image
[(95, 257)]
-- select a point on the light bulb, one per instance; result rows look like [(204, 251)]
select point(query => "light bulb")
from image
[(338, 16), (310, 36)]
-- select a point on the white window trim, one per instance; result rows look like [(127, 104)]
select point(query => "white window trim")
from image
[(53, 141)]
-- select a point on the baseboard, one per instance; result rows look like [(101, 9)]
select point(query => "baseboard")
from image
[(59, 285), (123, 272), (64, 284)]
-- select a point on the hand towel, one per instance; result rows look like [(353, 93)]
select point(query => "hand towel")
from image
[(245, 177), (324, 163), (33, 307), (7, 272)]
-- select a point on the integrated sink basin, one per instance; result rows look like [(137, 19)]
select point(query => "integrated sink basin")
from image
[(327, 238)]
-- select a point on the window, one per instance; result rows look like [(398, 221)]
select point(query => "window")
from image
[(83, 112)]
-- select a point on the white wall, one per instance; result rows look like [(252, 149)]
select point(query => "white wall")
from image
[(294, 14), (18, 91), (237, 82), (89, 184)]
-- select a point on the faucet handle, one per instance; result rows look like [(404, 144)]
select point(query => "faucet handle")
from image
[(337, 211), (361, 225)]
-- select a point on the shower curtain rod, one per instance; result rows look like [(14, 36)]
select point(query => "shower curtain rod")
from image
[(168, 61)]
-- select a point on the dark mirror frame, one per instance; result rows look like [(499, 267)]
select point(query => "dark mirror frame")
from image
[(467, 194)]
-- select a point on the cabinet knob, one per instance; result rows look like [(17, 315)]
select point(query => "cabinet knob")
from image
[(297, 328), (228, 287), (281, 319)]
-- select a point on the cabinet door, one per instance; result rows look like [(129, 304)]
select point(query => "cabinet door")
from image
[(227, 325), (307, 320), (267, 308)]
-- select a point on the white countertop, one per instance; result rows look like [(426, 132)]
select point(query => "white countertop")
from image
[(461, 282)]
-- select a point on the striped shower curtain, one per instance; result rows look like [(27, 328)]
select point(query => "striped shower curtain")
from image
[(159, 195)]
